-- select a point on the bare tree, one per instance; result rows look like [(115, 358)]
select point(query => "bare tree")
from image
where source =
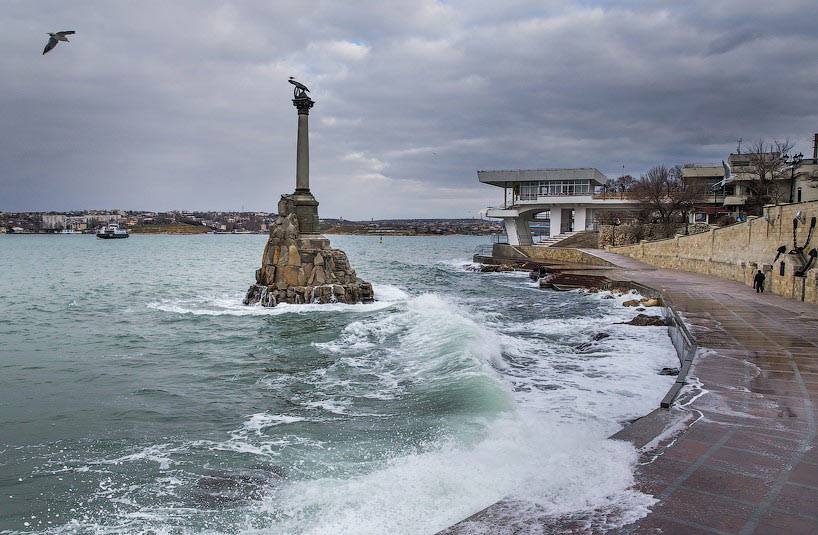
[(665, 195), (768, 163), (619, 184), (625, 183)]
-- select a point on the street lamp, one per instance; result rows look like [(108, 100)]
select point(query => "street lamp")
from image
[(794, 163)]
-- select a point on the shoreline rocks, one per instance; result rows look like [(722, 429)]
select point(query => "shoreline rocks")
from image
[(301, 268), (643, 320), (644, 302)]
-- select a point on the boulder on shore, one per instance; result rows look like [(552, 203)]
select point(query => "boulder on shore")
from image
[(495, 268), (643, 320), (645, 302)]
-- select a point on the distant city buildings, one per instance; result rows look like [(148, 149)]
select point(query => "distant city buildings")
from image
[(187, 222)]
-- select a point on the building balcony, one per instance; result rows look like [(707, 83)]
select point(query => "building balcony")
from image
[(710, 199), (615, 195), (734, 200), (576, 199)]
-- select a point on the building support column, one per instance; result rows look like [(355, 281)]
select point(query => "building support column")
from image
[(580, 215), (556, 221), (517, 230)]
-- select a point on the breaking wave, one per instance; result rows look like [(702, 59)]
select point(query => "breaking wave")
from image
[(400, 416), (231, 305)]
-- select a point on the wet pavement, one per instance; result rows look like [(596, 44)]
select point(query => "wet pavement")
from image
[(746, 460)]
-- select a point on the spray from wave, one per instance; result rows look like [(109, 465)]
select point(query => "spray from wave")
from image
[(231, 305)]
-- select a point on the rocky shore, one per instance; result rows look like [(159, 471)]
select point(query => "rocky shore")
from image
[(301, 268)]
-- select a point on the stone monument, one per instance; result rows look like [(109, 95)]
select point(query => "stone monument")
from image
[(298, 264)]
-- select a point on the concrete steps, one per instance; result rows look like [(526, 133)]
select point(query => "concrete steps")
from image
[(553, 240)]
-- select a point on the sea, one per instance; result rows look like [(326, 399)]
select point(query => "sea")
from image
[(138, 394)]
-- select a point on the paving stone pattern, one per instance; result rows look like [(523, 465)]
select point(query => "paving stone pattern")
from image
[(748, 462)]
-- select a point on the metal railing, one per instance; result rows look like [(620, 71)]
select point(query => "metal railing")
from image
[(483, 250), (615, 195)]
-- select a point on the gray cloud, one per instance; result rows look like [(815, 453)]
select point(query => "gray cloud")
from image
[(185, 105)]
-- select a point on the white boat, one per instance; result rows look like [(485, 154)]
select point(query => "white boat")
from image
[(112, 231)]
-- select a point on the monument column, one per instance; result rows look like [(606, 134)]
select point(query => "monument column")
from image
[(306, 207), (302, 170), (298, 264)]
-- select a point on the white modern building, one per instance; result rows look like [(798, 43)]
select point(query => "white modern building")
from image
[(542, 203), (54, 221)]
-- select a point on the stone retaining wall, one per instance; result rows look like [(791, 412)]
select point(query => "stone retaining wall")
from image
[(738, 251), (538, 253)]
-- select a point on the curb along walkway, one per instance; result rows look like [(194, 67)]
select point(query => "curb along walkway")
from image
[(745, 461)]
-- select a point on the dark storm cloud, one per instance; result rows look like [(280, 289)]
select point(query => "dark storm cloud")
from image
[(185, 105)]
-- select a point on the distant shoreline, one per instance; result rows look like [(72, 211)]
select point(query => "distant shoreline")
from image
[(372, 235)]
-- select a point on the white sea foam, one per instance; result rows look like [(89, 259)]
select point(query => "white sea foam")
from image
[(428, 491), (256, 423), (158, 453), (231, 305), (458, 264), (547, 451), (550, 451)]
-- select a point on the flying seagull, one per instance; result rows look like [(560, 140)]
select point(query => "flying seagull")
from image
[(54, 38), (300, 88), (729, 178)]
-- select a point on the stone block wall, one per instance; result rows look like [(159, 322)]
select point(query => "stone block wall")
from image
[(738, 251), (634, 232), (537, 253)]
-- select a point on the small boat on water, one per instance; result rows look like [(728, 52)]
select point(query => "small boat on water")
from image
[(112, 231)]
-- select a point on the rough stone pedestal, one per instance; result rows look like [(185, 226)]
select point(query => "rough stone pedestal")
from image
[(301, 267)]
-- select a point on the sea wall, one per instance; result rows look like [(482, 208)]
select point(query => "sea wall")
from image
[(538, 253), (738, 251)]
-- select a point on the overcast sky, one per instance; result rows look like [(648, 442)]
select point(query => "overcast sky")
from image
[(185, 105)]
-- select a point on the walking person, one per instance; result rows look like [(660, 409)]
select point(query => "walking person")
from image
[(758, 282)]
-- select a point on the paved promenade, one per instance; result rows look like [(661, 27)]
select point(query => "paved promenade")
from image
[(748, 463), (743, 458)]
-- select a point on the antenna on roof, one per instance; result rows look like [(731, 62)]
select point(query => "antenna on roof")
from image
[(738, 151)]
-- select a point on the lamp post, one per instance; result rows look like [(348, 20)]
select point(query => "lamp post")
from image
[(794, 163)]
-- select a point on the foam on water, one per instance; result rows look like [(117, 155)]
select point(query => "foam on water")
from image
[(448, 480), (428, 491), (401, 416), (231, 305)]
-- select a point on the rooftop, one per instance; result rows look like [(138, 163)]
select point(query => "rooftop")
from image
[(503, 177)]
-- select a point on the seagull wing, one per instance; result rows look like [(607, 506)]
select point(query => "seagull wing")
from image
[(51, 44), (66, 32)]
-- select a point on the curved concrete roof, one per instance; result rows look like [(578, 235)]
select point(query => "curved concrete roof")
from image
[(503, 177)]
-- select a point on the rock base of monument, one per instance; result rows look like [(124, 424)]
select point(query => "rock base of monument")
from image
[(303, 268)]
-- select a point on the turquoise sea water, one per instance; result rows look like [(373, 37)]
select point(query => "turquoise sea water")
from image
[(137, 394)]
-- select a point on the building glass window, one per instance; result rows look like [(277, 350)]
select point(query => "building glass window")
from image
[(552, 188), (528, 192)]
